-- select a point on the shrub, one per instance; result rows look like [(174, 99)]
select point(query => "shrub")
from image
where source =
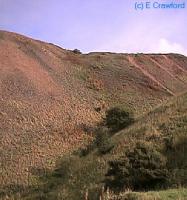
[(76, 51), (118, 118), (177, 159), (141, 168), (86, 150), (103, 140)]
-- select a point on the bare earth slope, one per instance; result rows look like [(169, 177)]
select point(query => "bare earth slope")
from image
[(48, 94)]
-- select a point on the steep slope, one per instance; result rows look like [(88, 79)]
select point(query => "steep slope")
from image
[(49, 95), (164, 127)]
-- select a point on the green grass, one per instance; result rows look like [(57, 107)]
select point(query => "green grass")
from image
[(171, 194)]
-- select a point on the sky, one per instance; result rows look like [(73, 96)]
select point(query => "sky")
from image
[(99, 25)]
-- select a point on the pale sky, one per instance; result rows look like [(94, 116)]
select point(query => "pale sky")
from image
[(98, 25)]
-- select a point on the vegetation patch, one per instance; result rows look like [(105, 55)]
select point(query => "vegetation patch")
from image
[(118, 118), (142, 167)]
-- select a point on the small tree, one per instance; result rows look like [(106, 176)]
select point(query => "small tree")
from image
[(118, 118), (141, 168), (76, 51)]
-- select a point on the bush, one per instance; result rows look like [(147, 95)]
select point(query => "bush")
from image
[(86, 150), (141, 168), (118, 118), (76, 51), (177, 159), (103, 141)]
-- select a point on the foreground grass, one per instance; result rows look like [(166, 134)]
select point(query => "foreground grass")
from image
[(171, 194)]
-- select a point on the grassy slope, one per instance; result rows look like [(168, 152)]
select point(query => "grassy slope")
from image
[(47, 94), (166, 124)]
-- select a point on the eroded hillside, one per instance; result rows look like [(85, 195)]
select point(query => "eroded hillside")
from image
[(48, 95)]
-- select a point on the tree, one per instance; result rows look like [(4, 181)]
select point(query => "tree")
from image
[(141, 168), (118, 118)]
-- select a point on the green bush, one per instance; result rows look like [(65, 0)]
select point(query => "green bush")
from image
[(177, 159), (118, 118), (143, 167)]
